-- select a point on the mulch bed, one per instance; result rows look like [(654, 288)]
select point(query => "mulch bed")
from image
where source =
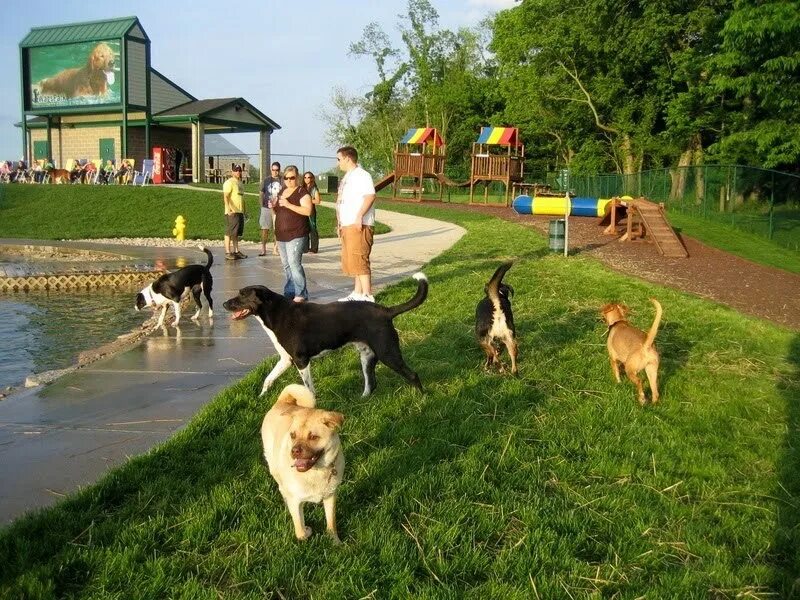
[(748, 287)]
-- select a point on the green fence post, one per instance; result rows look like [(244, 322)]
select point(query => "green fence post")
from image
[(732, 189), (771, 204)]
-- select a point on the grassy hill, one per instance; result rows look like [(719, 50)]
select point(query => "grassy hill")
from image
[(555, 484)]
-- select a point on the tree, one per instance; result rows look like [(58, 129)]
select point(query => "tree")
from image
[(756, 78)]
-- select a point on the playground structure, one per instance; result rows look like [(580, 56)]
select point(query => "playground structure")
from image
[(639, 219), (420, 155), (644, 220), (560, 206), (497, 155)]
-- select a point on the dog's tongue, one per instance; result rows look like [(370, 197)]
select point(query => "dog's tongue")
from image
[(303, 464), (110, 77), (241, 314)]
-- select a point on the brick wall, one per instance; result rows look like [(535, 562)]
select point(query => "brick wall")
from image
[(77, 143), (84, 142)]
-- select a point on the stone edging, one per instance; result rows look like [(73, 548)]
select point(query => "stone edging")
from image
[(74, 281)]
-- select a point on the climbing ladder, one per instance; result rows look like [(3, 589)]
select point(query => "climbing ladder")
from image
[(646, 217)]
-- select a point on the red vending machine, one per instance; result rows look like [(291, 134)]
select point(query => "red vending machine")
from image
[(164, 165)]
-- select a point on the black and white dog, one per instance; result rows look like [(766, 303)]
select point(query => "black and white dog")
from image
[(303, 331), (495, 321), (169, 288)]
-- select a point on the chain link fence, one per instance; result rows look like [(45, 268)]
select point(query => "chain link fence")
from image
[(759, 201), (321, 166)]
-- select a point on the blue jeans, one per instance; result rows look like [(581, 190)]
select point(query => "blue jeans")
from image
[(292, 260)]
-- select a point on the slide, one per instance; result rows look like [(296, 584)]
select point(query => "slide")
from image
[(384, 182)]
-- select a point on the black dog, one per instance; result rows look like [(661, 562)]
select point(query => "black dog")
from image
[(302, 331), (170, 287), (495, 321)]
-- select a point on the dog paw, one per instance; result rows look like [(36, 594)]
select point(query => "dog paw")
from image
[(334, 538), (302, 536)]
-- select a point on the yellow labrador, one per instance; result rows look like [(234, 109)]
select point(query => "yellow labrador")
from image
[(304, 454)]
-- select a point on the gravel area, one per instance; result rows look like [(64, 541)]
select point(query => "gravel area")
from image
[(155, 242)]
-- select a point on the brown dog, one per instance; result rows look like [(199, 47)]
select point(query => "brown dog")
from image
[(92, 79), (58, 175), (632, 347), (304, 454)]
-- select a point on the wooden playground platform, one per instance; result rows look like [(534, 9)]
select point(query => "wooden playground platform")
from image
[(644, 220)]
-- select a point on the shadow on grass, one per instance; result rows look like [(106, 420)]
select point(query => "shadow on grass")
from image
[(786, 544), (675, 350), (463, 407)]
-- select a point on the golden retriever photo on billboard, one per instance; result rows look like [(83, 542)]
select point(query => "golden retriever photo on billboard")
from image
[(75, 74)]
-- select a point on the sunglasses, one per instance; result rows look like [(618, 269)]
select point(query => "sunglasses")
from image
[(289, 177)]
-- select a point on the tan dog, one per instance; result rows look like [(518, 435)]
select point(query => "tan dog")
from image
[(92, 79), (59, 175), (302, 448), (632, 347)]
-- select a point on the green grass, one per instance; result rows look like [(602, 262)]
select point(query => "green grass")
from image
[(555, 484), (724, 236), (81, 211)]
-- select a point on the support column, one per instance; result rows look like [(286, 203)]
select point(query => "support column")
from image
[(265, 150), (198, 152)]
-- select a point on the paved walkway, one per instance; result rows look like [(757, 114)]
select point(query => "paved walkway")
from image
[(58, 438)]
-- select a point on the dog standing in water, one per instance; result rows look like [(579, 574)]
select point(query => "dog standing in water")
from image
[(169, 288)]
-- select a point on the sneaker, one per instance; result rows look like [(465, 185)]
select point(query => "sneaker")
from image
[(351, 297), (240, 254), (367, 298), (229, 256)]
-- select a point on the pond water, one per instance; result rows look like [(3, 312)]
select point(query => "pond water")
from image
[(41, 331)]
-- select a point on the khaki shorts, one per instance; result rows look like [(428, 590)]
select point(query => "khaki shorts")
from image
[(356, 247)]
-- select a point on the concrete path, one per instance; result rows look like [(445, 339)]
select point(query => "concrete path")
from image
[(57, 438)]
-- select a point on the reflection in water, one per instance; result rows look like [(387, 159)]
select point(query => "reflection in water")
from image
[(40, 331)]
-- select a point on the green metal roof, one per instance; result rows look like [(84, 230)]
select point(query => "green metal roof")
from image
[(79, 32)]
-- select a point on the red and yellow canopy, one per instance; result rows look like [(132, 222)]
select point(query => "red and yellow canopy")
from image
[(422, 135), (505, 136)]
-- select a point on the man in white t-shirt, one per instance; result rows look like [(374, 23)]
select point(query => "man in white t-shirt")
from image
[(356, 217)]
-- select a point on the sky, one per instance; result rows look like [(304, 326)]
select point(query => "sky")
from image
[(285, 58)]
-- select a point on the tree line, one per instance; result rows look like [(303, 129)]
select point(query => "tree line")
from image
[(594, 85)]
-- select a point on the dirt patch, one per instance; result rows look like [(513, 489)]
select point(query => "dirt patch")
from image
[(748, 287)]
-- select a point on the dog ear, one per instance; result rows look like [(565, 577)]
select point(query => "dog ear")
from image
[(333, 420), (510, 290)]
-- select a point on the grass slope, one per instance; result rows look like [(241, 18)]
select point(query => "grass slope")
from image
[(551, 485), (82, 211), (741, 243)]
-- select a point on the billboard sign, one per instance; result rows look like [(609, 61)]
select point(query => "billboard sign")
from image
[(73, 75)]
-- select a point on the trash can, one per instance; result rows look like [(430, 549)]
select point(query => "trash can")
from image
[(557, 227), (333, 184)]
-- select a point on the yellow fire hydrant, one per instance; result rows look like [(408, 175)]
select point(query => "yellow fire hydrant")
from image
[(180, 227)]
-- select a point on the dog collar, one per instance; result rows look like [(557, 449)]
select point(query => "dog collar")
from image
[(332, 466), (148, 296)]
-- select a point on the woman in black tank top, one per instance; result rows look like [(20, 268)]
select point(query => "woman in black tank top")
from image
[(291, 230)]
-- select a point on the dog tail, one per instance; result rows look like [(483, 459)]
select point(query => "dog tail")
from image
[(651, 335), (493, 287), (210, 256), (419, 297), (297, 394)]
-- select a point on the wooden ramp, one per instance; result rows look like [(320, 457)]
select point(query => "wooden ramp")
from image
[(384, 182), (654, 222)]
